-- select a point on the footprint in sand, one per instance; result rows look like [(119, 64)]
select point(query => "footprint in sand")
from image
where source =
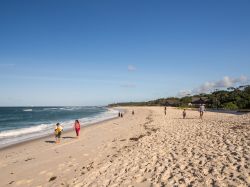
[(11, 182), (52, 179), (28, 159)]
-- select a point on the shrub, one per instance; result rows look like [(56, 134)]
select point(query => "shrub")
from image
[(230, 106)]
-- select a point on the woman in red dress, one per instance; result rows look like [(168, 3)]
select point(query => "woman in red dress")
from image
[(77, 128)]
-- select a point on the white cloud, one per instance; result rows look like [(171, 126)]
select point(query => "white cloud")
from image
[(225, 82), (131, 68), (184, 93)]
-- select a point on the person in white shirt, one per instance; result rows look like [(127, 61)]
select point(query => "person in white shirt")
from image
[(201, 110)]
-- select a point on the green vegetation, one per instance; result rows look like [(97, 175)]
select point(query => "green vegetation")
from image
[(230, 99), (230, 106)]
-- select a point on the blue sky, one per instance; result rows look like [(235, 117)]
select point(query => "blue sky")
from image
[(99, 52)]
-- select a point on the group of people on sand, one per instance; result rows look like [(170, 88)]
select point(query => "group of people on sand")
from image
[(77, 126), (201, 111), (184, 113), (59, 130), (120, 115)]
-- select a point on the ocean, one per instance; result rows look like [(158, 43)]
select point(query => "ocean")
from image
[(18, 124)]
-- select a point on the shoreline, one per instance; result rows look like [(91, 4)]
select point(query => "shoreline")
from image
[(52, 134)]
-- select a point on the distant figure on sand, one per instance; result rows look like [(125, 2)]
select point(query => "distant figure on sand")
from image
[(165, 111), (201, 110), (77, 127), (184, 113), (121, 115), (133, 112), (58, 132)]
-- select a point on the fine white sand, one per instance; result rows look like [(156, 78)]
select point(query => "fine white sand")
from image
[(147, 149)]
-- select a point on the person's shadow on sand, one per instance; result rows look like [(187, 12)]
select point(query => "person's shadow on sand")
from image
[(50, 141), (68, 137), (185, 118)]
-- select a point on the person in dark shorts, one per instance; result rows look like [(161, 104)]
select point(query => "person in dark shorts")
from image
[(184, 113), (58, 132)]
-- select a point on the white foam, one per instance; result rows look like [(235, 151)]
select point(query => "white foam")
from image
[(68, 108), (111, 113), (45, 109), (27, 110), (10, 137), (18, 132)]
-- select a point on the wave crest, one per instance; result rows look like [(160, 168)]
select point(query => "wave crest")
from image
[(18, 132)]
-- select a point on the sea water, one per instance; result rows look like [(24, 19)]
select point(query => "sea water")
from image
[(18, 124)]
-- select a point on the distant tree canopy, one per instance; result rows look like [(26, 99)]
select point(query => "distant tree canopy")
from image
[(232, 99)]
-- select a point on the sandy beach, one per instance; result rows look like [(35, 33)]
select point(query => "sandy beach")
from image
[(147, 149)]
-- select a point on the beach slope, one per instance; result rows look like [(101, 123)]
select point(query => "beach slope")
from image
[(145, 149)]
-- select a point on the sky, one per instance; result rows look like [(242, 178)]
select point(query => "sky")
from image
[(55, 53)]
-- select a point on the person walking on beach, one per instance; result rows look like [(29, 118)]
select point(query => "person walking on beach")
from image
[(201, 110), (165, 111), (77, 127), (58, 132), (184, 114), (133, 112)]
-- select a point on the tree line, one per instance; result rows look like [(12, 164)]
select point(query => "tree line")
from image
[(230, 99)]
